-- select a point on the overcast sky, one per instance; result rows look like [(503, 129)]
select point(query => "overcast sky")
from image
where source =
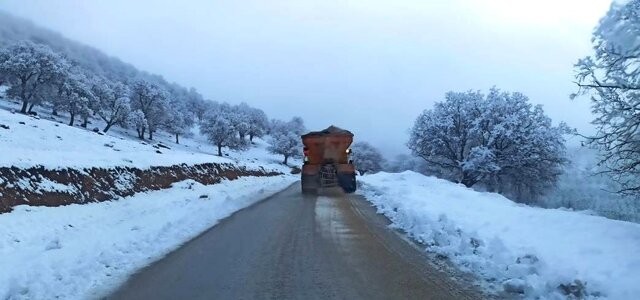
[(370, 66)]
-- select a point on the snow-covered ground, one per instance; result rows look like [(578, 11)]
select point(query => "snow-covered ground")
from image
[(83, 251), (514, 247), (48, 141)]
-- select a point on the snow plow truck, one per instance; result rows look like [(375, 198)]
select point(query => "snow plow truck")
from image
[(327, 162)]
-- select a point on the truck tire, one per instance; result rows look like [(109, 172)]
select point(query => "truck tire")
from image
[(347, 182)]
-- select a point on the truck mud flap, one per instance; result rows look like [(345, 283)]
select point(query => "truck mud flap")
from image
[(310, 184)]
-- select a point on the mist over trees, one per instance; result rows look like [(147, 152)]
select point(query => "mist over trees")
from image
[(367, 158), (405, 162), (611, 76), (499, 141), (14, 30), (41, 68)]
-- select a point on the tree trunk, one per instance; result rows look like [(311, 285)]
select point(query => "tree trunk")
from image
[(468, 181), (286, 158), (85, 122), (25, 105), (72, 119), (219, 150), (251, 138), (54, 111), (106, 128), (140, 133), (177, 140), (31, 107), (150, 134)]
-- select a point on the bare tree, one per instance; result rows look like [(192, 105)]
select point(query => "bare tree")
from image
[(612, 78)]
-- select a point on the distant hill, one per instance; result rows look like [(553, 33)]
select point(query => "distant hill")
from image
[(14, 29)]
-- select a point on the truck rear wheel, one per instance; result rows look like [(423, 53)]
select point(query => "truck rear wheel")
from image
[(347, 182)]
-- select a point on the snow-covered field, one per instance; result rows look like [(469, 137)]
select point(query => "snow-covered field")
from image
[(521, 249), (83, 251)]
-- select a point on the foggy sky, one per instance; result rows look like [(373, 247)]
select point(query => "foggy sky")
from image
[(370, 66)]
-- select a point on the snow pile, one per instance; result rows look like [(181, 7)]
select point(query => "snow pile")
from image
[(548, 253), (83, 251)]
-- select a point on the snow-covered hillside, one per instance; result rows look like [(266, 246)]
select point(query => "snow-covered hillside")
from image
[(27, 141), (546, 253)]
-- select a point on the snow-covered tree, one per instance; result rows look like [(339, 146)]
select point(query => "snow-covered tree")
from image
[(217, 125), (258, 123), (180, 118), (28, 68), (179, 122), (197, 105), (612, 78), (77, 96), (297, 125), (77, 105), (500, 140), (137, 121), (152, 100), (113, 104), (367, 158), (286, 138), (54, 93), (240, 118)]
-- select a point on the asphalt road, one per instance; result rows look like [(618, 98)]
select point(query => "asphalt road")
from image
[(292, 246)]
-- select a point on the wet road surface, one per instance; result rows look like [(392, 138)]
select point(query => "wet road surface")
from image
[(292, 246)]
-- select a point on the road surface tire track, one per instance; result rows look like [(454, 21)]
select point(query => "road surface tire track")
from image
[(291, 246)]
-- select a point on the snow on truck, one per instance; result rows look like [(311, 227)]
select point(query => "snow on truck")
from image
[(327, 162)]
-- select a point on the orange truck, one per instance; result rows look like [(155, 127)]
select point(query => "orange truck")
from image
[(327, 162)]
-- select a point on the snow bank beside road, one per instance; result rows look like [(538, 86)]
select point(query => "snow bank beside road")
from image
[(544, 253), (83, 251)]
